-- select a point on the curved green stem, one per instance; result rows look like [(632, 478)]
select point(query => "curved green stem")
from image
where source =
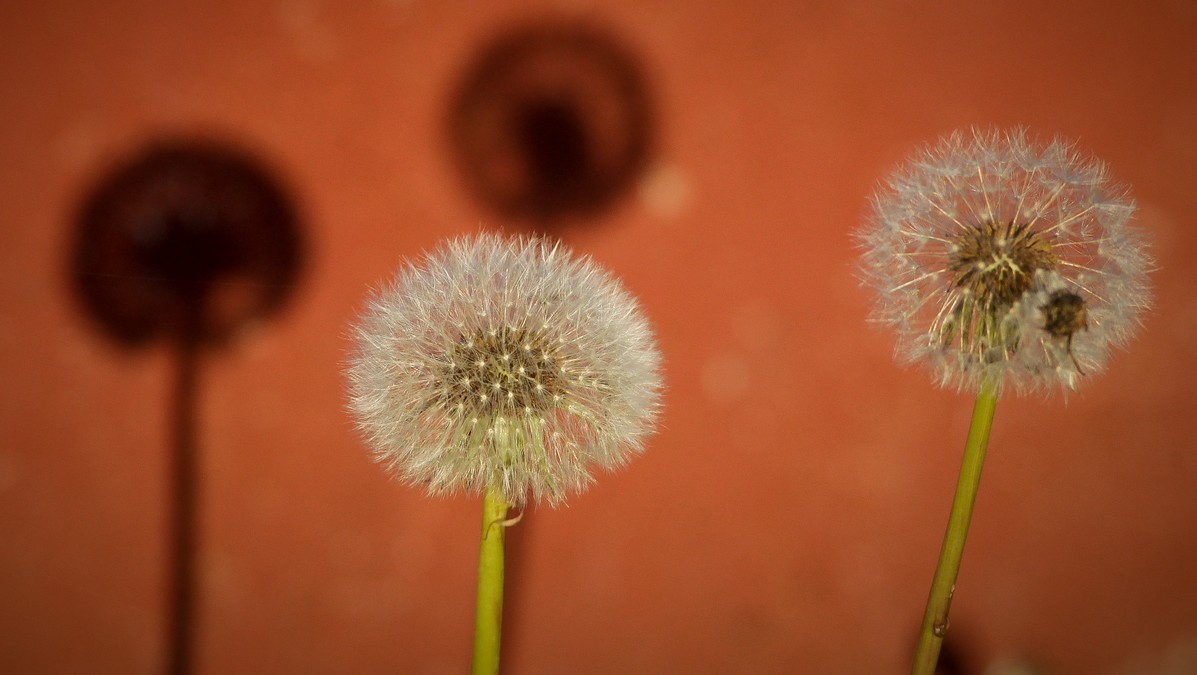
[(943, 585), (489, 617)]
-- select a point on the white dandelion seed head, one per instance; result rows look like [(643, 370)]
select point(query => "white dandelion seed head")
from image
[(506, 363), (993, 257)]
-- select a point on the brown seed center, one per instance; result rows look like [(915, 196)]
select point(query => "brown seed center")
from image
[(996, 262), (499, 372)]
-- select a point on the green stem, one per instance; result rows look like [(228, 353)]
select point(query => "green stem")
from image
[(489, 617), (943, 586)]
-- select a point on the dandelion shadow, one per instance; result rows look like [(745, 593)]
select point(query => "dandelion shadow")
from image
[(551, 124), (186, 242)]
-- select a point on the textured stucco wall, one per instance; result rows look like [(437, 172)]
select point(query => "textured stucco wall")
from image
[(787, 516)]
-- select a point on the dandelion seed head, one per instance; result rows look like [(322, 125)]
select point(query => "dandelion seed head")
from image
[(505, 363), (993, 257)]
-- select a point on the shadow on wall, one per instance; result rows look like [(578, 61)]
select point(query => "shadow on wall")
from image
[(551, 124), (186, 242)]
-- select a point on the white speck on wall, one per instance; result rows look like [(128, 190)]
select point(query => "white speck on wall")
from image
[(757, 325), (1178, 657), (10, 472), (725, 379), (665, 191), (310, 34), (1012, 666), (78, 144), (1164, 228)]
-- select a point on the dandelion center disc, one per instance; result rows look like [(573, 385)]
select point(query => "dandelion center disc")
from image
[(997, 262), (504, 371)]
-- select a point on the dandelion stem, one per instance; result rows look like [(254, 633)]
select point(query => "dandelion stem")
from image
[(943, 585), (489, 617)]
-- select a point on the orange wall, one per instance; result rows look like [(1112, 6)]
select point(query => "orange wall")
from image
[(787, 516)]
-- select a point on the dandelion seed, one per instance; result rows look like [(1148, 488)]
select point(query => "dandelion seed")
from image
[(972, 239), (504, 364)]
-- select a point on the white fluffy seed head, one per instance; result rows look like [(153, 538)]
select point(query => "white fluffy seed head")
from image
[(992, 257), (506, 363)]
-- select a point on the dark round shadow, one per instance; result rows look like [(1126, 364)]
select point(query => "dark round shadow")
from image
[(184, 239), (951, 661), (551, 121)]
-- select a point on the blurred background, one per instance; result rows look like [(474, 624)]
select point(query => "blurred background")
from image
[(717, 157)]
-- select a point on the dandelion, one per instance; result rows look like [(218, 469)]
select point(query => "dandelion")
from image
[(504, 363), (967, 228), (1000, 262), (508, 368)]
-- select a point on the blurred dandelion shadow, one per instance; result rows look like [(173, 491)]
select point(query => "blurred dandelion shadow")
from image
[(551, 124), (187, 242)]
